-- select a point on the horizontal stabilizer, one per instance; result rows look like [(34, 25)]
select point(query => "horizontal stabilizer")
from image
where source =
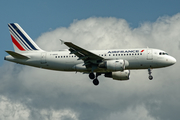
[(17, 55)]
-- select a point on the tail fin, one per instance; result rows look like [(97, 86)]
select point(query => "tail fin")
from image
[(21, 40)]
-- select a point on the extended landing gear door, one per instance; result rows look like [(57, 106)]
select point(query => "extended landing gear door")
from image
[(149, 54), (43, 58)]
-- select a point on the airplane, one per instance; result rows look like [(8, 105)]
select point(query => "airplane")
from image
[(113, 63)]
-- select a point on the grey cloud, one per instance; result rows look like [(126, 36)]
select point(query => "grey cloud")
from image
[(46, 94)]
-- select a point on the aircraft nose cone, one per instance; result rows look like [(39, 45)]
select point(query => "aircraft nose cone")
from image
[(172, 60)]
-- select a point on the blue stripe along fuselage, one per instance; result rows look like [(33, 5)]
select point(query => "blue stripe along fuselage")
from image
[(22, 35)]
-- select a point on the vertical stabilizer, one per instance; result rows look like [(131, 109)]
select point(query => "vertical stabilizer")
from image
[(21, 40)]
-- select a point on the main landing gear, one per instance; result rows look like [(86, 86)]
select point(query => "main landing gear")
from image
[(149, 72), (94, 78)]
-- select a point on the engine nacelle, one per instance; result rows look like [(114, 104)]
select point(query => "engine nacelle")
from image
[(114, 65), (124, 75)]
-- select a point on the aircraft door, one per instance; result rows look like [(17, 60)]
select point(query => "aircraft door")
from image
[(149, 54), (43, 58)]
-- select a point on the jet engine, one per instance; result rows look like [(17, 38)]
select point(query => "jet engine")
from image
[(119, 75), (114, 65)]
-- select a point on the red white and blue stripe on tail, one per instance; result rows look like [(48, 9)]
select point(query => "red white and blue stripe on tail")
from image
[(20, 39)]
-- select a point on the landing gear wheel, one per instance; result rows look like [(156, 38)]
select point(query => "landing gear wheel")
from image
[(150, 77), (96, 82), (91, 75), (149, 72)]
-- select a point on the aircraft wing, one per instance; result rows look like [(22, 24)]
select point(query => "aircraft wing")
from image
[(90, 59)]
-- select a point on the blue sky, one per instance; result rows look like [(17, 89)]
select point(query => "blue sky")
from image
[(37, 17)]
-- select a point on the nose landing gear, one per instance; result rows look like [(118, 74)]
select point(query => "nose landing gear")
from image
[(149, 72)]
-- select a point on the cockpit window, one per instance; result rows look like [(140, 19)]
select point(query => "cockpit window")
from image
[(163, 53)]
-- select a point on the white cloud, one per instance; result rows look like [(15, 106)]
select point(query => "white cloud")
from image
[(17, 111), (9, 110), (45, 94), (133, 113)]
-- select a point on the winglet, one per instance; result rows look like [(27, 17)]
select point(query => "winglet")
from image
[(62, 42)]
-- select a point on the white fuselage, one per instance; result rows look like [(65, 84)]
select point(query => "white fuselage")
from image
[(64, 61), (114, 64)]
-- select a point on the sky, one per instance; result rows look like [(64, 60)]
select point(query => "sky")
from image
[(28, 93)]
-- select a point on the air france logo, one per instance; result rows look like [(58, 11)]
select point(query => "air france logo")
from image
[(125, 51)]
